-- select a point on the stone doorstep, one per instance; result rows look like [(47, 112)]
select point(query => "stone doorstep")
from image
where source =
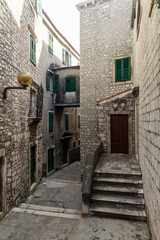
[(49, 209), (118, 189), (118, 199), (126, 213)]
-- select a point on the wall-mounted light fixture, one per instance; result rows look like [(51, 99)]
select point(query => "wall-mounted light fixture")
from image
[(24, 79)]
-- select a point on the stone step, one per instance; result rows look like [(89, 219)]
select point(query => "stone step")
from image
[(115, 181), (118, 201), (118, 190), (118, 213), (117, 172)]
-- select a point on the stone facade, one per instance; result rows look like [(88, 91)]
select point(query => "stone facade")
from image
[(23, 115), (106, 35), (147, 77)]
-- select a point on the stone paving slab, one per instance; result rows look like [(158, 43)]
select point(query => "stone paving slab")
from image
[(22, 226)]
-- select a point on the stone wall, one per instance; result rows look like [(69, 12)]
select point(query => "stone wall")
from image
[(105, 34), (15, 137), (147, 77)]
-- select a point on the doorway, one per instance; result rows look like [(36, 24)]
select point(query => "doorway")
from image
[(33, 164), (119, 133), (65, 152)]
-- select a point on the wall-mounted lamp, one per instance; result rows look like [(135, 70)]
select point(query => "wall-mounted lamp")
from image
[(24, 79)]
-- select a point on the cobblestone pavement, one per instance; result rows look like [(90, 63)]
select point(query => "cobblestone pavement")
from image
[(42, 225)]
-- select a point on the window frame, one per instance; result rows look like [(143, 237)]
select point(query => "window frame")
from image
[(131, 70), (49, 122)]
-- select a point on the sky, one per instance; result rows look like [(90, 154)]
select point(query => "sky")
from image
[(65, 16)]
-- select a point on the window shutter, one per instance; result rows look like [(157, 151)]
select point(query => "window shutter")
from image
[(63, 56), (39, 6), (55, 83), (70, 84), (70, 60), (50, 43), (66, 122), (48, 80), (78, 121), (32, 50), (118, 70), (126, 69), (50, 122)]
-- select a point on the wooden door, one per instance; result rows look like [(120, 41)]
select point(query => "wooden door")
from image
[(65, 152), (33, 164), (119, 133)]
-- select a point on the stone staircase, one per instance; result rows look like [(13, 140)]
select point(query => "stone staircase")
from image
[(117, 188)]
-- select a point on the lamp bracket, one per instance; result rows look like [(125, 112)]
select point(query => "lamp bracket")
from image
[(8, 88)]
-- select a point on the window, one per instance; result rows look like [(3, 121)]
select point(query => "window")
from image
[(32, 50), (37, 4), (74, 144), (52, 82), (78, 142), (50, 43), (66, 58), (50, 122), (123, 69), (70, 84), (32, 103), (66, 121), (50, 160), (78, 121)]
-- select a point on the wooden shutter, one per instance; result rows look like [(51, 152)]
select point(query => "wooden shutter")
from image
[(70, 84), (32, 50), (126, 64), (55, 83), (118, 70), (50, 122), (78, 121), (63, 56), (50, 43), (70, 60), (48, 80), (66, 122)]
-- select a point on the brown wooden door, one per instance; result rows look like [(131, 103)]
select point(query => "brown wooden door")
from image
[(119, 133)]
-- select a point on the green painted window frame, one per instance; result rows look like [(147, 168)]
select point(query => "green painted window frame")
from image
[(67, 121), (55, 83), (79, 121), (50, 43), (50, 121), (123, 69), (70, 84), (37, 5), (32, 50)]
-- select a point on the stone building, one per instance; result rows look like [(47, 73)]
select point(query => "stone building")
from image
[(58, 54), (26, 45), (146, 25), (106, 69)]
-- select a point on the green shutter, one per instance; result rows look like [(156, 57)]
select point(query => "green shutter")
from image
[(70, 84), (50, 160), (39, 7), (66, 122), (34, 4), (63, 56), (50, 122), (50, 43), (32, 50), (55, 83), (48, 80), (70, 60), (78, 121), (118, 70), (126, 69)]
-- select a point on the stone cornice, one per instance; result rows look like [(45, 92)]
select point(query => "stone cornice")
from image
[(87, 3)]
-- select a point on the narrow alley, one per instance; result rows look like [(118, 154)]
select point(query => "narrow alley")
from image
[(53, 211)]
